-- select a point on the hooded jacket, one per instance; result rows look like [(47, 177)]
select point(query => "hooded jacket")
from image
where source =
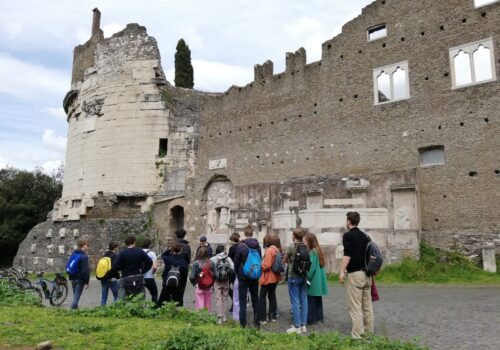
[(268, 276), (215, 259), (83, 270), (242, 254)]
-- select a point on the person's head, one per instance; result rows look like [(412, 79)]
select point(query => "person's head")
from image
[(298, 235), (235, 237), (353, 219), (312, 243), (203, 241), (248, 231), (267, 241), (220, 249), (180, 233), (146, 243), (83, 245), (202, 253), (275, 241), (113, 246), (130, 241), (175, 248)]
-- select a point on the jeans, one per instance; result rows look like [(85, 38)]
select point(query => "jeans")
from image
[(236, 301), (107, 285), (267, 290), (243, 288), (315, 309), (77, 292), (298, 299), (150, 285)]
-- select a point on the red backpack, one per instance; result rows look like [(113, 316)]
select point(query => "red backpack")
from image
[(206, 277)]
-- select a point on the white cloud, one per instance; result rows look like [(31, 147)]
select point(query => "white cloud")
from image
[(51, 165), (54, 142), (3, 162), (112, 28), (57, 113), (31, 81), (216, 76)]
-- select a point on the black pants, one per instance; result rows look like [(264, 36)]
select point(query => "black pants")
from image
[(268, 290), (150, 284), (182, 288), (314, 309), (244, 286), (169, 294)]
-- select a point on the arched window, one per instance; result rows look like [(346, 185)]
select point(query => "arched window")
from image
[(391, 83)]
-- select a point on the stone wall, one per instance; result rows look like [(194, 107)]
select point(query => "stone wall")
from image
[(320, 119)]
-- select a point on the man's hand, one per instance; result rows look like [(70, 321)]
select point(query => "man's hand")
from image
[(87, 286), (341, 277)]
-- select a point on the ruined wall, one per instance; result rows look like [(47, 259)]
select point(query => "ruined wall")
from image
[(321, 118), (117, 118)]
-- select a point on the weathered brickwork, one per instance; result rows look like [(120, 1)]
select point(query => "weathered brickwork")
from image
[(301, 147)]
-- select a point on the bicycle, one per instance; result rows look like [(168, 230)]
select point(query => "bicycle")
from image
[(56, 293), (15, 277)]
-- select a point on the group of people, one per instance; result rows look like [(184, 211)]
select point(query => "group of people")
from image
[(246, 272)]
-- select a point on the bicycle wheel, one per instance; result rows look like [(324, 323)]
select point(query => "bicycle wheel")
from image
[(23, 283), (59, 294), (36, 292)]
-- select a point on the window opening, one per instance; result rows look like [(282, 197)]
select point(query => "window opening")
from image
[(163, 148), (391, 83), (433, 155), (377, 32), (479, 3)]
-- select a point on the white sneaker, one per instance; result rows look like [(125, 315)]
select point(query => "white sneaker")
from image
[(303, 329), (294, 329), (263, 322), (219, 321)]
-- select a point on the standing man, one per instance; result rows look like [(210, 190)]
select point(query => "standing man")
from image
[(110, 280), (246, 283), (204, 243), (149, 276), (358, 282), (78, 270), (132, 262)]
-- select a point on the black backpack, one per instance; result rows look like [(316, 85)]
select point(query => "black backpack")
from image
[(173, 277), (373, 258), (223, 271), (301, 260)]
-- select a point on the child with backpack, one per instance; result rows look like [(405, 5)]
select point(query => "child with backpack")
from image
[(224, 271), (316, 276), (175, 267), (78, 271), (248, 267), (203, 278), (109, 279), (297, 257), (272, 265)]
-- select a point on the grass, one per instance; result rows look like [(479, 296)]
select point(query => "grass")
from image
[(135, 325), (436, 266)]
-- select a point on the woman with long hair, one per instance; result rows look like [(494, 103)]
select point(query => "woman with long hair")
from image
[(269, 280), (203, 278), (317, 279)]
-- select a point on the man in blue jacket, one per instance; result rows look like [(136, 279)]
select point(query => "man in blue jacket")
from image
[(82, 277), (246, 284)]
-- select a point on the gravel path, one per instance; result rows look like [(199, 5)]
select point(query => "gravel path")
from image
[(448, 317)]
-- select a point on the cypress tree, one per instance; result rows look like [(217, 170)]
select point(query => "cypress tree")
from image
[(183, 67)]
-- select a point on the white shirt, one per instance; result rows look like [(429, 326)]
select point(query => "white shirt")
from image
[(152, 255)]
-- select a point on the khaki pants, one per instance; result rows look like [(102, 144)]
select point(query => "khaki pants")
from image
[(359, 300)]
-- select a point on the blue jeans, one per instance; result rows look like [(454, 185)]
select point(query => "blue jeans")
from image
[(77, 292), (298, 298), (105, 287)]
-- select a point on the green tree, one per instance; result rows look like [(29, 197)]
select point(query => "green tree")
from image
[(183, 67), (26, 197)]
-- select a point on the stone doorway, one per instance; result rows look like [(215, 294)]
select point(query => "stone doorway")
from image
[(177, 217)]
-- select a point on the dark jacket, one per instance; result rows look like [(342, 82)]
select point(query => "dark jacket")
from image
[(177, 260), (232, 251), (209, 249), (186, 250), (111, 273), (83, 268), (242, 253), (132, 261)]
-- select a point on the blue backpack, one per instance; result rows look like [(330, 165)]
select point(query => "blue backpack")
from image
[(252, 269), (73, 265)]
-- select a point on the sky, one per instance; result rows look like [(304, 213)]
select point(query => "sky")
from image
[(226, 38)]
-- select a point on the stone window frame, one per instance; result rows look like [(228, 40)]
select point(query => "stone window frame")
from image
[(470, 48), (486, 4), (384, 25), (391, 68), (422, 150)]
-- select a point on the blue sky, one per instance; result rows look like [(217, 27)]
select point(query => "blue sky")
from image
[(226, 37)]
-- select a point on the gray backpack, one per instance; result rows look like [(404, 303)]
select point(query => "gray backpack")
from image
[(373, 258)]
